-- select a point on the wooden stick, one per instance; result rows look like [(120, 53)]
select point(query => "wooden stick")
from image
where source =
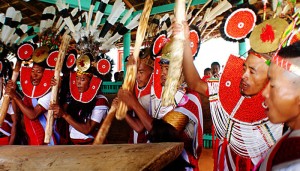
[(176, 57), (132, 69), (192, 20), (58, 66), (1, 87), (188, 6), (101, 135), (6, 99)]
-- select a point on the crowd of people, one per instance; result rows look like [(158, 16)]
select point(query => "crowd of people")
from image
[(251, 102)]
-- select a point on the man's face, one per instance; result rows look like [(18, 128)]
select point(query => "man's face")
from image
[(215, 69), (143, 75), (254, 78), (82, 82), (36, 74), (164, 73), (282, 96)]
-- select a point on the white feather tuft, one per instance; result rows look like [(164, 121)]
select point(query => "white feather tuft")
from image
[(7, 31), (218, 10), (15, 36), (116, 11), (134, 22), (45, 24), (126, 16)]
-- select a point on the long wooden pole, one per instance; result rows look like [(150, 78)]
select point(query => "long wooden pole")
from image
[(101, 135), (6, 98), (176, 54), (132, 69), (58, 66)]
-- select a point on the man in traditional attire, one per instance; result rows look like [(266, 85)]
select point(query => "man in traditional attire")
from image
[(282, 96), (160, 125), (142, 92), (87, 108), (243, 132), (8, 127), (35, 82)]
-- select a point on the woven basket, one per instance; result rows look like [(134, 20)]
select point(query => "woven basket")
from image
[(176, 119)]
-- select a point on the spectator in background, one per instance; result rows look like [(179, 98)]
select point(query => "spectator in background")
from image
[(215, 69), (121, 76), (116, 76), (107, 77), (207, 74)]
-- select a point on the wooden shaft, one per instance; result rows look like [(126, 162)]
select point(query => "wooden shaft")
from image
[(101, 135), (58, 66), (131, 70), (1, 87), (176, 57), (6, 98)]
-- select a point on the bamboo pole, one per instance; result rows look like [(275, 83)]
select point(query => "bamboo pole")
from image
[(132, 69), (176, 57), (6, 99), (101, 135), (58, 66)]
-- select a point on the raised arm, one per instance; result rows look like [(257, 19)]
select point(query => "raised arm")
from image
[(190, 72)]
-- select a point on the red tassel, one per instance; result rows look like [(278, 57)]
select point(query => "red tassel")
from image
[(222, 155), (215, 154), (267, 34), (237, 159), (248, 165)]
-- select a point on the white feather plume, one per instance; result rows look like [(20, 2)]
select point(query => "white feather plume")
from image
[(15, 36), (218, 10), (7, 31), (45, 24), (134, 22), (116, 11), (126, 16)]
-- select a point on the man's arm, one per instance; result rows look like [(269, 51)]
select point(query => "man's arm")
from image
[(131, 101), (190, 72), (13, 129), (135, 123)]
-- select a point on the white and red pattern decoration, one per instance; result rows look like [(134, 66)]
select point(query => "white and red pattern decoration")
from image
[(35, 91), (239, 24), (88, 95), (25, 51), (195, 40), (159, 43), (71, 60), (52, 58), (103, 66)]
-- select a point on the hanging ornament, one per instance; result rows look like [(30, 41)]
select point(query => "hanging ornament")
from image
[(71, 60), (52, 58), (238, 24), (195, 40), (103, 66), (266, 36), (25, 51), (159, 42)]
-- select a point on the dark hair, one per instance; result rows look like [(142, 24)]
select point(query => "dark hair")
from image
[(215, 63), (80, 112), (116, 76), (292, 51), (207, 69)]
